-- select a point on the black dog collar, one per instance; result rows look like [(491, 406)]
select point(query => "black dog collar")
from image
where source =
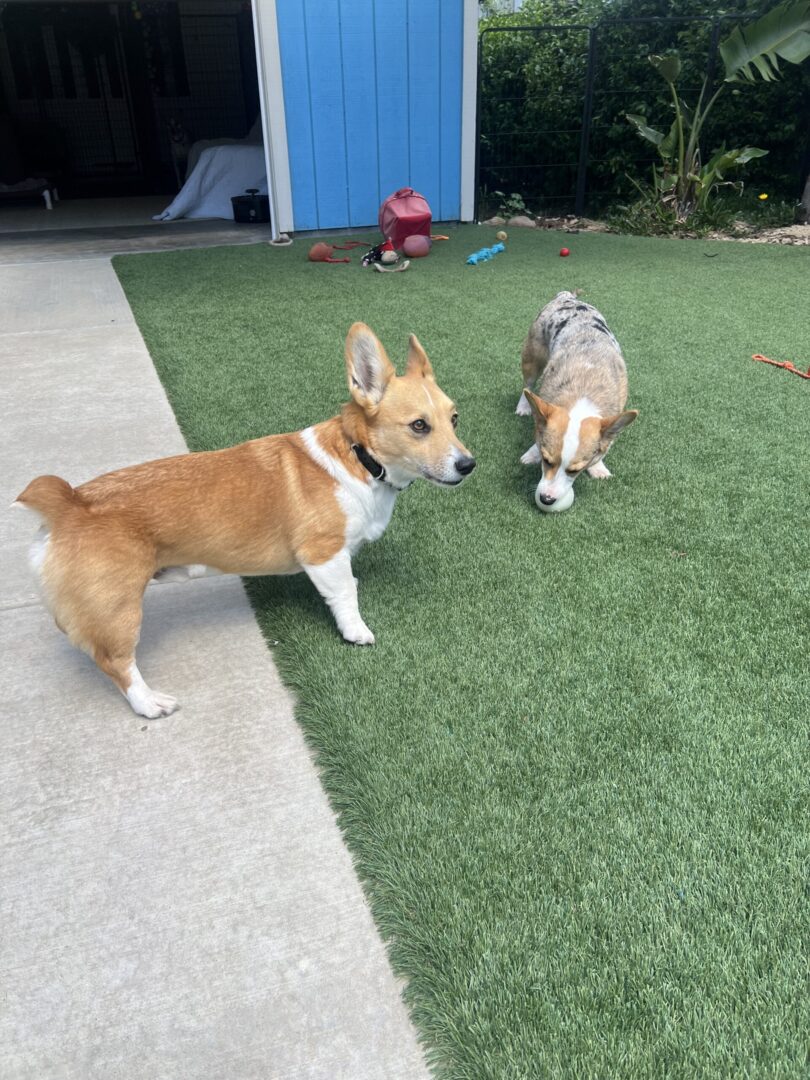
[(375, 468), (369, 463)]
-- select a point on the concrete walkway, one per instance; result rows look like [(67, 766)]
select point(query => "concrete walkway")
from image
[(176, 902)]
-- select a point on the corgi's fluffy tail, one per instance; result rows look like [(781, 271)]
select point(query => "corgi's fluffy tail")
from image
[(49, 497)]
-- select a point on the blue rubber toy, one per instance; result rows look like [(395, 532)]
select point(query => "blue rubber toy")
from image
[(485, 254)]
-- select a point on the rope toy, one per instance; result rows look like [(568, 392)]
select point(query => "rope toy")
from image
[(786, 364)]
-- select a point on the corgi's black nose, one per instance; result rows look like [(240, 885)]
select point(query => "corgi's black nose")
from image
[(465, 465), (547, 500)]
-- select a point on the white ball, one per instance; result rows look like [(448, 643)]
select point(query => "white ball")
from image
[(561, 504)]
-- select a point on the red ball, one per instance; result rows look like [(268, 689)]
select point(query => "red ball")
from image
[(416, 247), (564, 252)]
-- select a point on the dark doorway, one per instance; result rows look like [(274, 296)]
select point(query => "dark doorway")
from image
[(107, 98)]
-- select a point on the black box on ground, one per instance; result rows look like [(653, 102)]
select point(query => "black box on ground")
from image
[(250, 208)]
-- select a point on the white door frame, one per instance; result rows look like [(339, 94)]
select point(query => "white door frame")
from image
[(274, 123), (469, 103)]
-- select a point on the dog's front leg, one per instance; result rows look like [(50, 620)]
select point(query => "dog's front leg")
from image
[(599, 471), (338, 586)]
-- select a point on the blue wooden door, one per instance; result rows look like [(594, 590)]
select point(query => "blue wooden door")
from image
[(372, 96)]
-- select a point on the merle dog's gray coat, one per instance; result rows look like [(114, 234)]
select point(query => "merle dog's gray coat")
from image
[(573, 354)]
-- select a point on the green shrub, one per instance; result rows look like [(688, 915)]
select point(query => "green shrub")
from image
[(533, 84)]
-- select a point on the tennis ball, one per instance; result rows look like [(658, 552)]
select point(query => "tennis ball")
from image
[(561, 504), (501, 236), (564, 252), (415, 247)]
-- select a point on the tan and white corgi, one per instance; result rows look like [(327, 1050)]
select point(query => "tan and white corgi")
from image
[(579, 405), (282, 504)]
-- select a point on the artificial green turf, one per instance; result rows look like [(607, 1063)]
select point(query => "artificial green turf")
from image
[(573, 770)]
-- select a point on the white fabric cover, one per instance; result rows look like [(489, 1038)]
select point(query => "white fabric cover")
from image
[(221, 172)]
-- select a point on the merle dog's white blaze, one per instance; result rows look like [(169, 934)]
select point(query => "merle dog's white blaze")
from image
[(561, 482)]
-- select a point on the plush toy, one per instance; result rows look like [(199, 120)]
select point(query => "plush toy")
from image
[(323, 252), (383, 253)]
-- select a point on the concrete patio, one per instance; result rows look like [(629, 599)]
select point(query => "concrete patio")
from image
[(175, 896), (89, 228)]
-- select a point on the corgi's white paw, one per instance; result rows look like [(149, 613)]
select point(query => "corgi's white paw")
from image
[(151, 704), (523, 407), (599, 471), (358, 634), (531, 457)]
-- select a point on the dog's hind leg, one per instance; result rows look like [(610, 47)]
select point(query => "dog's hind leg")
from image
[(110, 635), (94, 581), (125, 674)]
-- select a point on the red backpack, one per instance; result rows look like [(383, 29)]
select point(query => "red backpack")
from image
[(405, 213)]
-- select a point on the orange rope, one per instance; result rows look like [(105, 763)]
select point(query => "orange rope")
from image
[(786, 364)]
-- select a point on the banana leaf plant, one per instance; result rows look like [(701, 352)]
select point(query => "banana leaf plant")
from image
[(682, 182)]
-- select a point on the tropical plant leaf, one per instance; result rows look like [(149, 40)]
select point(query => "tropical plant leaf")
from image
[(723, 160), (669, 143), (688, 114), (644, 130), (668, 67), (783, 32), (748, 153)]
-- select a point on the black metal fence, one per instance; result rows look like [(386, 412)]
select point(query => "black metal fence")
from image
[(553, 99)]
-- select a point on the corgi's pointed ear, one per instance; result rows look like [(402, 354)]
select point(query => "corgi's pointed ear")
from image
[(541, 410), (368, 369), (612, 425), (418, 363)]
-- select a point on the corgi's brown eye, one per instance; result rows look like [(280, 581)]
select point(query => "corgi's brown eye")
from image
[(421, 427), (573, 472), (454, 419), (546, 459)]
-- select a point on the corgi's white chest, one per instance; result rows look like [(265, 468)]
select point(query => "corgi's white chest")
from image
[(368, 506), (367, 510)]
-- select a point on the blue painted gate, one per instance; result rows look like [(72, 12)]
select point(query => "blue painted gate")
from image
[(373, 100)]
